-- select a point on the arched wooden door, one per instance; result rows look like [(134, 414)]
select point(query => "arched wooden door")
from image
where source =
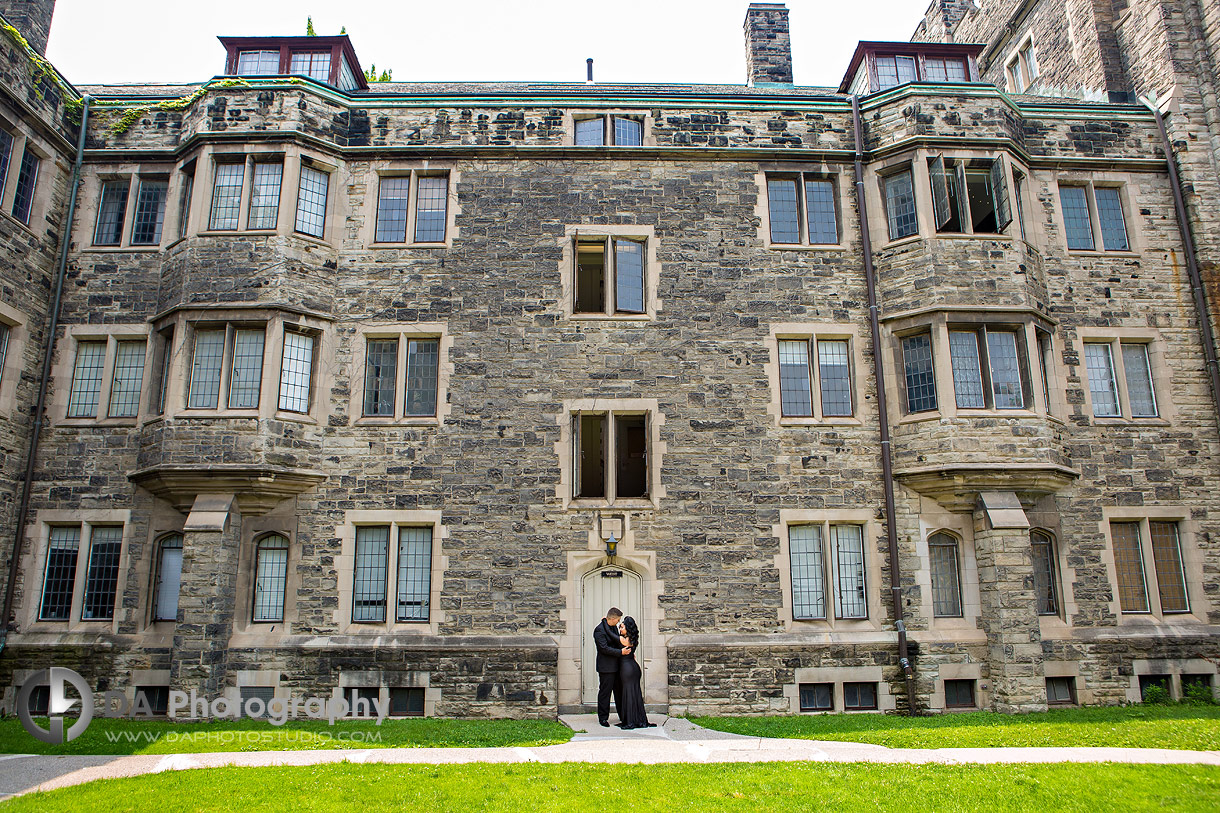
[(600, 590)]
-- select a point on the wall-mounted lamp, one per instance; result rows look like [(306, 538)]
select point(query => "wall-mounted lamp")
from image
[(611, 546)]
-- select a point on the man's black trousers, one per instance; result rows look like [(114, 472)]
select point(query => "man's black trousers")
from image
[(607, 684)]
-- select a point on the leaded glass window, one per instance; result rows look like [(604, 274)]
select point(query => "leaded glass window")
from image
[(311, 202), (808, 572), (1046, 582), (1076, 219), (392, 209), (150, 212), (944, 562), (59, 577), (423, 363), (27, 178), (270, 578), (295, 371), (87, 379), (111, 209), (265, 195), (169, 578), (1102, 387), (226, 196), (414, 573), (206, 364), (372, 557), (900, 205), (432, 194), (380, 372), (1129, 567), (246, 380), (919, 373), (102, 575), (127, 380)]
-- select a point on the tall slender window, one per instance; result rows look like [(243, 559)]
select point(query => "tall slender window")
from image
[(821, 214), (432, 194), (380, 371), (87, 379), (609, 275), (414, 573), (794, 378), (226, 196), (270, 578), (1129, 565), (59, 578), (1076, 219), (6, 156), (150, 212), (628, 276), (392, 207), (311, 202), (1007, 389), (1138, 374), (163, 370), (127, 380), (5, 330), (1102, 388), (102, 577), (111, 209), (1046, 582), (295, 371), (834, 377), (369, 592), (169, 578), (1046, 357), (422, 365), (265, 195), (808, 572), (967, 369), (1170, 573), (206, 368), (850, 599), (782, 206), (919, 374), (946, 576), (27, 178), (1110, 216), (184, 202), (900, 205), (246, 380)]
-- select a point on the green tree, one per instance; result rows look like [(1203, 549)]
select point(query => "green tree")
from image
[(309, 32)]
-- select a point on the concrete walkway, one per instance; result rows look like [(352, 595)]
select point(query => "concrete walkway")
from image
[(673, 740)]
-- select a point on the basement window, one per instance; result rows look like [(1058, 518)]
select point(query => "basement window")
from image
[(970, 197), (610, 455), (407, 701), (860, 696), (959, 694), (1060, 691), (817, 696), (610, 275)]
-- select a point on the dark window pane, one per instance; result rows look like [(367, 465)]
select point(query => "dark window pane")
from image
[(850, 598), (959, 694), (23, 198), (1129, 567), (102, 577), (392, 210), (794, 379), (591, 277), (314, 64), (1076, 217), (59, 577), (1046, 585), (6, 156), (782, 205), (817, 696), (591, 455), (150, 213), (900, 205), (407, 702), (920, 379), (1170, 574), (1060, 690), (946, 579), (859, 695), (156, 698), (169, 579), (380, 374), (111, 209), (423, 363), (184, 204), (632, 441), (368, 599), (808, 571)]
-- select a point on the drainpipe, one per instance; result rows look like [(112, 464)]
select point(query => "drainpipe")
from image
[(23, 505), (887, 469), (1188, 243)]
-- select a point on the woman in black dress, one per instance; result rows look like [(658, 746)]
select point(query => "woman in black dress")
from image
[(631, 675)]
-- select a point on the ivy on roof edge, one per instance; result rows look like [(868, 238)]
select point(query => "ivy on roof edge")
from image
[(134, 114), (42, 69)]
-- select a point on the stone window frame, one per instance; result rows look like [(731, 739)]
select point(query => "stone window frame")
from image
[(837, 676), (566, 453), (958, 628), (345, 563), (402, 331), (24, 138), (1060, 586), (13, 357), (960, 671), (1174, 668), (247, 631), (35, 561), (1193, 564), (64, 366), (1126, 183), (376, 170), (938, 321), (1160, 371), (830, 331), (969, 161), (1018, 66), (384, 680), (185, 321), (844, 194), (873, 563), (90, 196), (572, 115), (875, 196), (567, 271)]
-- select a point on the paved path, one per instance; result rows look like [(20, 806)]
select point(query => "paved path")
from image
[(675, 740)]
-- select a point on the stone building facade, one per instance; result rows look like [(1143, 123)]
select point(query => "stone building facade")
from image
[(388, 391)]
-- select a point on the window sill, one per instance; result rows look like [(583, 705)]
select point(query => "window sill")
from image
[(392, 246), (902, 241), (920, 417), (1092, 252), (192, 414), (98, 422), (120, 249), (7, 215), (308, 238), (808, 421), (963, 235), (1130, 421), (585, 503), (806, 247), (295, 417), (832, 625), (617, 317), (412, 420)]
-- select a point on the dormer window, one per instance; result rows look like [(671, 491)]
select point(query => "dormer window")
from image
[(893, 71), (323, 59), (258, 63), (314, 64), (878, 66)]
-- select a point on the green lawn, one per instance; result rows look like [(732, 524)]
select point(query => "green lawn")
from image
[(1182, 727), (110, 736), (571, 787)]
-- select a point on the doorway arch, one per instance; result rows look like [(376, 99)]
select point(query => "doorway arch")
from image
[(601, 589)]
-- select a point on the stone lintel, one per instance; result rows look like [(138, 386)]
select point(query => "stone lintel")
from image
[(1003, 509), (256, 489), (957, 487)]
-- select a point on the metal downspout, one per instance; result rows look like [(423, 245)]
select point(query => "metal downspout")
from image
[(23, 505), (887, 469), (1192, 266)]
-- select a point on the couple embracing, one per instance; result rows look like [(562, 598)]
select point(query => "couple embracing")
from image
[(618, 673)]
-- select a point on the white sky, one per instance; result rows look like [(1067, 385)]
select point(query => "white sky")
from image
[(700, 41)]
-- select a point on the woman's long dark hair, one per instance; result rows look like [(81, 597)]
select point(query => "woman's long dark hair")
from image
[(633, 632)]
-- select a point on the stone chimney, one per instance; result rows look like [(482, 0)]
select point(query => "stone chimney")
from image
[(768, 47), (32, 18)]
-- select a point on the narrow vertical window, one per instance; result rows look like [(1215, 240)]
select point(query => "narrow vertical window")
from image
[(6, 157), (1139, 380), (127, 380), (1102, 389), (631, 452), (1076, 219), (782, 207), (1018, 188), (1046, 358), (1007, 388), (27, 178), (590, 276), (1110, 216), (163, 370), (1170, 573), (184, 203), (900, 205), (590, 132), (270, 578), (102, 576), (967, 369), (5, 330), (432, 194), (246, 380), (1129, 567), (591, 439), (1046, 583), (946, 576), (392, 200), (820, 212), (808, 572), (295, 372), (794, 379), (834, 378), (150, 212), (205, 369), (628, 132), (414, 573), (368, 595), (850, 599), (169, 578), (919, 374), (311, 202), (380, 372), (59, 578), (86, 379), (628, 276), (111, 209), (265, 195), (226, 196), (423, 363)]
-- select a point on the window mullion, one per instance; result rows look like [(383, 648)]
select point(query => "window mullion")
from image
[(610, 276), (815, 372), (1152, 585), (129, 211), (1120, 379), (107, 383), (610, 457)]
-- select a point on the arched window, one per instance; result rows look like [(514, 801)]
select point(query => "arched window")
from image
[(169, 578), (1046, 582), (270, 576), (944, 563)]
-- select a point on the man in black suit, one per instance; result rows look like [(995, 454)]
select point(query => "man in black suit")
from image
[(609, 651)]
